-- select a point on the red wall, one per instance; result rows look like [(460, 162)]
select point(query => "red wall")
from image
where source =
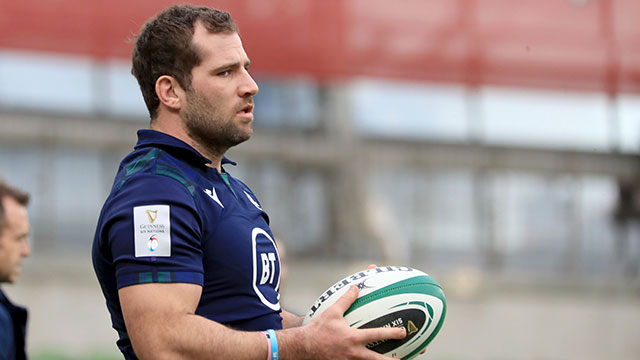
[(572, 44)]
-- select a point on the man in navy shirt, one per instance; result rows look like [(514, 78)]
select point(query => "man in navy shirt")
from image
[(183, 251), (14, 229)]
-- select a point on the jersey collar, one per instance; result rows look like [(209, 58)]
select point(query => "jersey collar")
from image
[(173, 145)]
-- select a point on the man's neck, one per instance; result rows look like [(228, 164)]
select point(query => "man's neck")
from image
[(177, 130)]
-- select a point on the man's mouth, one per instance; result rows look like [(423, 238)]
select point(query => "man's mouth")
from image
[(247, 109)]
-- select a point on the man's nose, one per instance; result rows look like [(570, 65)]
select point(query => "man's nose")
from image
[(248, 87), (26, 249)]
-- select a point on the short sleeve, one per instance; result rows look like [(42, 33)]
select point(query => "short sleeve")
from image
[(153, 230)]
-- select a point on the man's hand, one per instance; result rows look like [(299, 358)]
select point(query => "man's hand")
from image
[(329, 337)]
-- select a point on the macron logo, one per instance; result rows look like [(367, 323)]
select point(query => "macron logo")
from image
[(212, 194), (255, 203)]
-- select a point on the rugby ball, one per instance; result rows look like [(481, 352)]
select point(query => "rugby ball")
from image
[(390, 296)]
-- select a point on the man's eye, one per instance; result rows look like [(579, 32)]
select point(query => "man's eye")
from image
[(224, 73)]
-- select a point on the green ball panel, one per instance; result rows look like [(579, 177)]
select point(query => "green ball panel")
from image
[(418, 284)]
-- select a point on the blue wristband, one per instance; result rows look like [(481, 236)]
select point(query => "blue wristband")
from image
[(274, 344)]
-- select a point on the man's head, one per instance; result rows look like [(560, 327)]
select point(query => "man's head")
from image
[(14, 229), (191, 65), (164, 47)]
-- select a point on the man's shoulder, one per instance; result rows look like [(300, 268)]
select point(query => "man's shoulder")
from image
[(152, 165)]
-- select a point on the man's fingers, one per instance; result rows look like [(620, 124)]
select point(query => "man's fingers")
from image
[(364, 336), (347, 299), (372, 266), (376, 334)]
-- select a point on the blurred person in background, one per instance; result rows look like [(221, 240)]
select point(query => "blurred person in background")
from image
[(183, 251), (14, 229)]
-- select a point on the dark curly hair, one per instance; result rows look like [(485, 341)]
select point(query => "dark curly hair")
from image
[(163, 47)]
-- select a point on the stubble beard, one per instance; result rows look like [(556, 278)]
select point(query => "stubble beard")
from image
[(209, 127)]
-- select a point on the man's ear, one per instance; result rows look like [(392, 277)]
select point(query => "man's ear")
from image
[(170, 93)]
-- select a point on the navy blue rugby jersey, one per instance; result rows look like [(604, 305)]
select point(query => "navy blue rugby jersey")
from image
[(170, 218)]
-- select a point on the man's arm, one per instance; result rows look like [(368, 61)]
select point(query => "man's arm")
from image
[(162, 324)]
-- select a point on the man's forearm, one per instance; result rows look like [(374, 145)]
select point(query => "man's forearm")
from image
[(190, 336), (196, 337)]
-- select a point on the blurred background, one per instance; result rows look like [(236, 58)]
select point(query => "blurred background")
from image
[(494, 144)]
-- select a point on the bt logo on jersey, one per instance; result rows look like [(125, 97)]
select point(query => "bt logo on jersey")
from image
[(268, 267)]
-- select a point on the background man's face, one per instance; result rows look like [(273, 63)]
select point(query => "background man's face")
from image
[(13, 240)]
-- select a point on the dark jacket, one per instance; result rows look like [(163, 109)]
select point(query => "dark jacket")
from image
[(13, 325)]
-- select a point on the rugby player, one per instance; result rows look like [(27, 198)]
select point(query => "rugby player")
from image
[(183, 250)]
